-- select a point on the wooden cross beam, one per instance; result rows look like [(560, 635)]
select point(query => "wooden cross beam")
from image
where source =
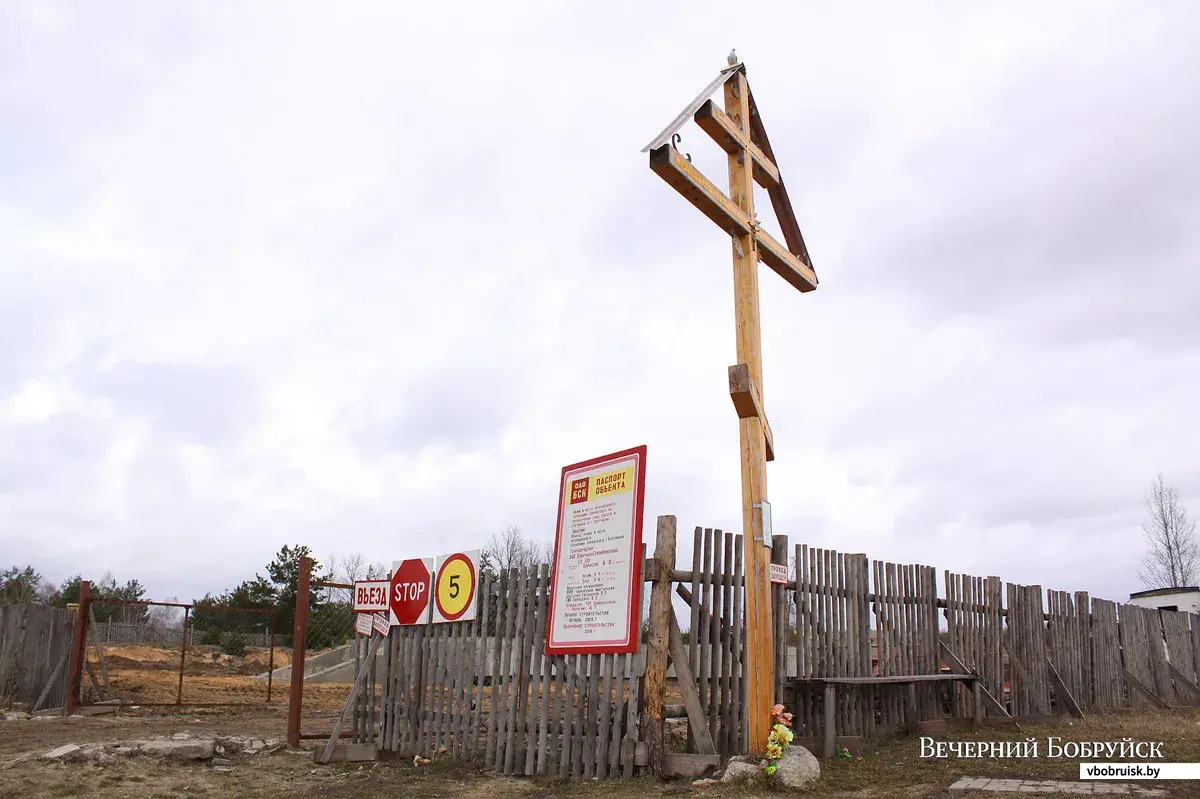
[(738, 130)]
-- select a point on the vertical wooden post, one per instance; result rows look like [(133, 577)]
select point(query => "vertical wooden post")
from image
[(299, 634), (271, 659), (829, 723), (760, 653), (78, 647), (912, 708), (779, 553), (182, 656), (656, 654)]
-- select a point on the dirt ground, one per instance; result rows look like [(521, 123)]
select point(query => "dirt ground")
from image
[(888, 768), (147, 674)]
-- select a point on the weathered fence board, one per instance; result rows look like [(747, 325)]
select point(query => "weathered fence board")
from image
[(1066, 643), (1178, 635), (35, 642), (1108, 684), (1143, 651)]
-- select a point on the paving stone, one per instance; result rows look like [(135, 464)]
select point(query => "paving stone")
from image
[(1035, 787), (968, 784)]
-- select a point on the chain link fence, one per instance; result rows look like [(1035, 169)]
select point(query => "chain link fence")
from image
[(162, 653), (330, 618)]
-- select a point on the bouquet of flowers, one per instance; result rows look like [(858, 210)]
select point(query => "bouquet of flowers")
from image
[(778, 739)]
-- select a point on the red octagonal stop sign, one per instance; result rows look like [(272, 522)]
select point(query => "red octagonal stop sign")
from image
[(409, 591)]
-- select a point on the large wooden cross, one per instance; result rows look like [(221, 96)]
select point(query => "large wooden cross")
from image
[(738, 130)]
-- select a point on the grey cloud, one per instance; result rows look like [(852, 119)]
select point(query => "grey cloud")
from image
[(208, 404), (51, 457), (1079, 179), (463, 406)]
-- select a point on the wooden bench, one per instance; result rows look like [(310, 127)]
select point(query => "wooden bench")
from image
[(830, 685)]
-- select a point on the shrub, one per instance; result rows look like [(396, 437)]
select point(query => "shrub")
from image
[(211, 637), (233, 644)]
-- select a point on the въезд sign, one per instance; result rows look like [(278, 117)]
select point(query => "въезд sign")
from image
[(370, 596), (595, 589)]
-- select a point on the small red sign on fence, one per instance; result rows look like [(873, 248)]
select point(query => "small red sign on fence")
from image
[(779, 575)]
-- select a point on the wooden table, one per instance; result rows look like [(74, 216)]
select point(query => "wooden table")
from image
[(830, 685)]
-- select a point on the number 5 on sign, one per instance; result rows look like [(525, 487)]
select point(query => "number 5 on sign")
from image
[(455, 580)]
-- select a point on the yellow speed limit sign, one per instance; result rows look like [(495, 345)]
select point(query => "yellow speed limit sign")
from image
[(456, 577)]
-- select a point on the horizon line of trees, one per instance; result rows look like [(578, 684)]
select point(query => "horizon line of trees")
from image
[(1172, 560)]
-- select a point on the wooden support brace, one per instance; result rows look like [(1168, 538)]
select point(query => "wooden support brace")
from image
[(87, 664), (107, 690), (747, 401), (359, 684), (1019, 667), (687, 686), (1141, 688), (50, 683), (686, 595), (956, 665), (1064, 696), (717, 124), (1182, 678)]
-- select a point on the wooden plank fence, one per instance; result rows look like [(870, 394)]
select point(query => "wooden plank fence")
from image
[(431, 691), (35, 645), (484, 690)]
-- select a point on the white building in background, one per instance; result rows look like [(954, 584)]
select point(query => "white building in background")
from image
[(1186, 600)]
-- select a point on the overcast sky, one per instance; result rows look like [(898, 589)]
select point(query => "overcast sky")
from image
[(366, 276)]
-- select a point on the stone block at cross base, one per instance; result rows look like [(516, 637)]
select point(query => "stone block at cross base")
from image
[(798, 768), (739, 771)]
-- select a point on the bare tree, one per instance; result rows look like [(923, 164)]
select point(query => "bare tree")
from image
[(1173, 556), (510, 549), (377, 571), (353, 567), (166, 617)]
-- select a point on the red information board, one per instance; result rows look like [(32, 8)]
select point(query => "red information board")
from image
[(596, 578)]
